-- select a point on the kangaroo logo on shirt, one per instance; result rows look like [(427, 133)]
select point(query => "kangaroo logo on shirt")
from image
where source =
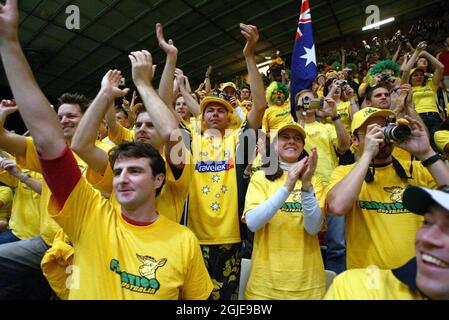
[(396, 193), (295, 205), (149, 267), (394, 207), (146, 282)]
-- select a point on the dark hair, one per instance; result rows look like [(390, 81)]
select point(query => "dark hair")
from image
[(327, 85), (444, 125), (139, 150), (271, 152), (424, 74), (370, 91), (121, 109), (74, 98)]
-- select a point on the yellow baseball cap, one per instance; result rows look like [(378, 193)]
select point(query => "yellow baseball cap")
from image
[(228, 84), (331, 73), (414, 70), (208, 100), (360, 117), (294, 126)]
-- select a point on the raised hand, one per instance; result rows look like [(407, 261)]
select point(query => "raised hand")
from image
[(295, 173), (418, 144), (168, 47), (306, 177), (252, 36), (142, 67), (330, 107), (7, 107), (110, 82), (10, 166), (208, 71), (374, 137), (9, 22)]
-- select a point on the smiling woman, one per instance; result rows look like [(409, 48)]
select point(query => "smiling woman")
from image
[(285, 214)]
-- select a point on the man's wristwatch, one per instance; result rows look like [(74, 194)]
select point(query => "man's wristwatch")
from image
[(24, 177)]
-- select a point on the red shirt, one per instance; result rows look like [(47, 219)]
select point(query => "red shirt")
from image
[(444, 59)]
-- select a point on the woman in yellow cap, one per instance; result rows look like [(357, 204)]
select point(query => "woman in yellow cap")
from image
[(283, 210)]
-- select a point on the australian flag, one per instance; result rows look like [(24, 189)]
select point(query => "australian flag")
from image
[(304, 69)]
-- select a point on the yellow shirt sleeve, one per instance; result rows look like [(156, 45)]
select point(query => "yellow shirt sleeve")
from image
[(441, 140), (123, 134), (31, 160)]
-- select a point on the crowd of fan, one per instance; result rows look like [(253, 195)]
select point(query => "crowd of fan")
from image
[(161, 197)]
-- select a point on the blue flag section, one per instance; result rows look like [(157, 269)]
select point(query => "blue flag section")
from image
[(303, 67)]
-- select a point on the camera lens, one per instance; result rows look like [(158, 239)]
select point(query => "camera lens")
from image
[(395, 132), (401, 132)]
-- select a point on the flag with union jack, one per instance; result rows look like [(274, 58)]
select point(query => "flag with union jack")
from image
[(303, 67)]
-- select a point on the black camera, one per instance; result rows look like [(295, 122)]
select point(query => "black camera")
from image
[(341, 83), (225, 96), (385, 77), (396, 132)]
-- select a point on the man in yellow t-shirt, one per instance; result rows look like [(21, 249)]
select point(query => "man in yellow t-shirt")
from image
[(424, 276), (218, 188), (139, 253), (379, 230), (328, 139), (278, 112)]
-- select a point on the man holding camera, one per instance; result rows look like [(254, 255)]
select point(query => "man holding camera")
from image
[(379, 229)]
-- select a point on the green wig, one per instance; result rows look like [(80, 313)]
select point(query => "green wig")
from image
[(383, 65), (352, 66), (276, 86), (336, 65)]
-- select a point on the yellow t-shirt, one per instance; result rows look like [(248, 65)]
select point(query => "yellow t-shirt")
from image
[(213, 206), (170, 201), (48, 227), (25, 212), (6, 200), (379, 230), (344, 110), (286, 260), (276, 116), (123, 134), (117, 260), (424, 97), (324, 138), (369, 284), (441, 139)]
